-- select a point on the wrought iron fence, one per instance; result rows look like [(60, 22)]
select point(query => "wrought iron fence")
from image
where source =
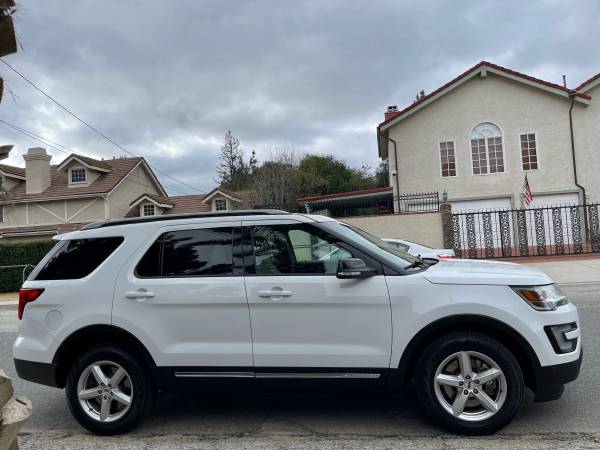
[(542, 231), (418, 202)]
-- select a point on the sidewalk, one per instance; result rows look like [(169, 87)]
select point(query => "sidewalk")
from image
[(9, 299), (565, 269)]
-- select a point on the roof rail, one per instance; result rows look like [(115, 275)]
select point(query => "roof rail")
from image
[(241, 212)]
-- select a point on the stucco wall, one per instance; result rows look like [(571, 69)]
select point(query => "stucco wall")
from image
[(422, 228), (53, 212), (136, 184), (517, 109), (586, 124)]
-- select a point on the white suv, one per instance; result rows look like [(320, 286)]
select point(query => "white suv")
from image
[(124, 310)]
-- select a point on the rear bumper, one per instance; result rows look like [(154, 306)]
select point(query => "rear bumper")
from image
[(37, 372), (551, 380)]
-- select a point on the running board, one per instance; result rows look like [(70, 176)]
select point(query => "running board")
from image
[(281, 375)]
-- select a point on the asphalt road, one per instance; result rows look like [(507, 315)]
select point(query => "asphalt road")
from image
[(322, 421)]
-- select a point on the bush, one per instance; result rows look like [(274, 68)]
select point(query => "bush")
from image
[(17, 253)]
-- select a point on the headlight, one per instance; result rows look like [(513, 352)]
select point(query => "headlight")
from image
[(542, 298)]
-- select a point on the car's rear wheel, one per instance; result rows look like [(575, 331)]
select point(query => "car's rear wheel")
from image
[(469, 383), (108, 391)]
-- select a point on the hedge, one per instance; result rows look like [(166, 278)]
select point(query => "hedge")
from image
[(17, 253)]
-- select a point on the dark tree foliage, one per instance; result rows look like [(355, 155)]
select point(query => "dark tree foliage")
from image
[(18, 253)]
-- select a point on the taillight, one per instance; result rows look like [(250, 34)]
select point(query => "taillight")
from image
[(27, 296), (442, 256)]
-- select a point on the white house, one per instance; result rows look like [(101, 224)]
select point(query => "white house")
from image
[(477, 136)]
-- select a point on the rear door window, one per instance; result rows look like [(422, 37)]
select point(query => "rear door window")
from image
[(191, 253), (77, 258)]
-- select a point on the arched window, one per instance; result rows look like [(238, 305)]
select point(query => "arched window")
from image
[(486, 149)]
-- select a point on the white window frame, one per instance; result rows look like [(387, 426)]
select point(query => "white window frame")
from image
[(537, 150), (85, 175), (487, 150), (439, 150), (143, 209), (217, 200)]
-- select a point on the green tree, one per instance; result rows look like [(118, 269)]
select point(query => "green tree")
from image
[(325, 174)]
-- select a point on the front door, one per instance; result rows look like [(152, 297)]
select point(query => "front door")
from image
[(302, 315), (183, 296)]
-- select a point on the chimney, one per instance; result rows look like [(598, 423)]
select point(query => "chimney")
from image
[(37, 170), (391, 112), (565, 81)]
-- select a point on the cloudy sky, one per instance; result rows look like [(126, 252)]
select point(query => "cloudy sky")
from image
[(167, 79)]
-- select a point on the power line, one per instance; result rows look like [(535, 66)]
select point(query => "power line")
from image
[(94, 129), (54, 145)]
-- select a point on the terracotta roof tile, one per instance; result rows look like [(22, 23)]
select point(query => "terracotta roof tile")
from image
[(392, 116), (588, 82), (59, 186), (182, 204), (157, 198), (18, 171), (345, 194), (92, 162), (41, 229)]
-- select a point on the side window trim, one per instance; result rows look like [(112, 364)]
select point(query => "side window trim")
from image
[(236, 248), (249, 251)]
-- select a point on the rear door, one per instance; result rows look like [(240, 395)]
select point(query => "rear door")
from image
[(183, 295), (302, 315)]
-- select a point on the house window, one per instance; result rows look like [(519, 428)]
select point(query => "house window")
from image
[(148, 209), (220, 204), (486, 149), (1, 214), (529, 151), (447, 159), (78, 175)]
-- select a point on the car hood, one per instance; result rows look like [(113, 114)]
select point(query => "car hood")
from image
[(472, 271)]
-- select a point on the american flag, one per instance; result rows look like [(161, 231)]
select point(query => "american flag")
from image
[(527, 197)]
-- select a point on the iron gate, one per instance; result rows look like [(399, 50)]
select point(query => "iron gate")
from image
[(540, 231)]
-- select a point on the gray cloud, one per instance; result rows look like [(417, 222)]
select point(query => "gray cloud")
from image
[(167, 79)]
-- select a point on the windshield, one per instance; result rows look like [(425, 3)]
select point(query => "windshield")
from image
[(356, 234)]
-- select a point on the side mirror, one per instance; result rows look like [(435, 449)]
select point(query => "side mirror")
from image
[(354, 268)]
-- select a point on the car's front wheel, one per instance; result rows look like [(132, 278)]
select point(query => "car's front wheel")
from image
[(469, 383), (108, 391)]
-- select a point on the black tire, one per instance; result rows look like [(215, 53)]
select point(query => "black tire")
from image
[(441, 349), (142, 398)]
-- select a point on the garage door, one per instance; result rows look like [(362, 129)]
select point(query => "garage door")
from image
[(554, 200), (483, 231), (478, 205)]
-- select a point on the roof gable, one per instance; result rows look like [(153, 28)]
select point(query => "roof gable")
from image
[(158, 200), (12, 171), (482, 70), (589, 84), (86, 161), (219, 191), (59, 183)]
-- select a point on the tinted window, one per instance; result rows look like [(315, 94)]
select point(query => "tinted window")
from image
[(149, 265), (295, 249), (77, 258), (184, 253)]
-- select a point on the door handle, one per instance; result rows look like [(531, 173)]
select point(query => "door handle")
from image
[(274, 293), (140, 295)]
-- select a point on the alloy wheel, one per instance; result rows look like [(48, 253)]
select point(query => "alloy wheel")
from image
[(470, 386), (105, 391)]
